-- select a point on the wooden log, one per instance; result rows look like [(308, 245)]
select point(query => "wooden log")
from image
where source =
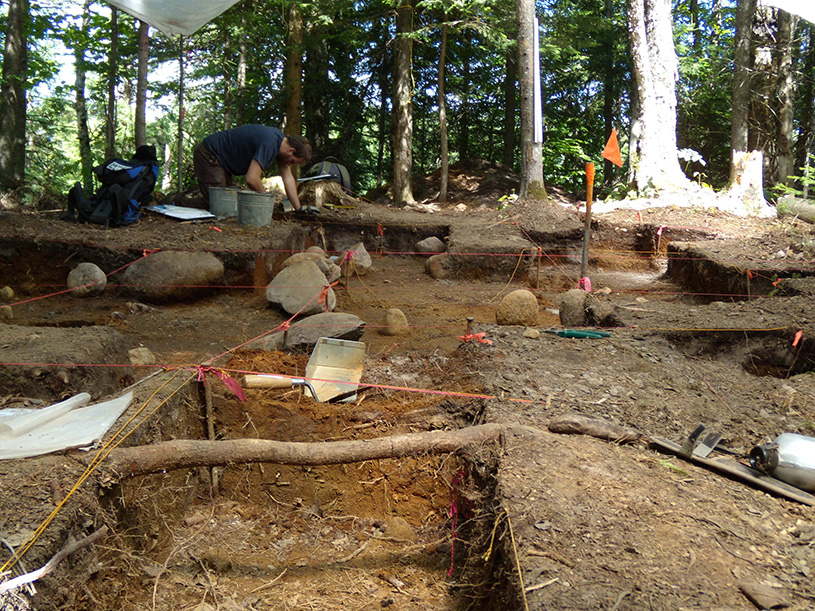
[(804, 209), (185, 454)]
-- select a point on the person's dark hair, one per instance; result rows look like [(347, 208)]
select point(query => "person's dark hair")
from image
[(302, 147)]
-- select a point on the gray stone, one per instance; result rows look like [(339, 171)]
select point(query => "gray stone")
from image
[(172, 275), (305, 333), (398, 528), (329, 269), (396, 323), (297, 289), (86, 279), (6, 294), (360, 261), (315, 249), (439, 266), (532, 333), (573, 308), (518, 308), (141, 356), (602, 314), (430, 245), (6, 314)]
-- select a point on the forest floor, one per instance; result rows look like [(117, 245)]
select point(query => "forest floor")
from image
[(537, 520)]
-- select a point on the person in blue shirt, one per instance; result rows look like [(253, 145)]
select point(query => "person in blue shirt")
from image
[(248, 151)]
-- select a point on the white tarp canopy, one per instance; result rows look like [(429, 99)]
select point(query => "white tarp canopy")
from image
[(174, 16), (802, 8)]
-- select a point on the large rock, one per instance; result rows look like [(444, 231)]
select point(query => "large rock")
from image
[(305, 333), (396, 323), (573, 308), (439, 266), (360, 260), (518, 308), (86, 279), (297, 289), (430, 245), (330, 270), (172, 275)]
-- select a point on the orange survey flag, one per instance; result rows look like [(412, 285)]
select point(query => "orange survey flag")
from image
[(612, 150)]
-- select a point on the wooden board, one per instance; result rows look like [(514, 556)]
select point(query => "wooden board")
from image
[(732, 468)]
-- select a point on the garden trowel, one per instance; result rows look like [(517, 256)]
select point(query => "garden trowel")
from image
[(699, 443)]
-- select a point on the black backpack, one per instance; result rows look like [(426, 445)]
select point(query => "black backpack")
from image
[(339, 173), (125, 186)]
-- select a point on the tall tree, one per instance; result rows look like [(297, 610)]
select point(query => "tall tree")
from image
[(741, 87), (80, 104), (13, 96), (444, 153), (294, 71), (531, 161), (785, 94), (113, 61), (143, 54), (403, 105), (655, 163), (510, 107)]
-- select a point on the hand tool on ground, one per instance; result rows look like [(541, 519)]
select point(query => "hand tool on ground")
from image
[(700, 444), (578, 333), (253, 380)]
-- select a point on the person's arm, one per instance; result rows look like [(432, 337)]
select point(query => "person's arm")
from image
[(289, 184), (254, 177)]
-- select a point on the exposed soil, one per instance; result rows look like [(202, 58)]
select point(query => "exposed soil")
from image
[(591, 524)]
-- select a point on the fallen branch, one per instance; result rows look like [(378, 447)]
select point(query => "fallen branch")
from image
[(577, 424), (185, 454), (49, 566)]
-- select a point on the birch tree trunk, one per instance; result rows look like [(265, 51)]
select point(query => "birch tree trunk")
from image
[(656, 165), (13, 96), (444, 153), (82, 132), (531, 162), (785, 156), (240, 109), (143, 53), (403, 105), (113, 59), (229, 83)]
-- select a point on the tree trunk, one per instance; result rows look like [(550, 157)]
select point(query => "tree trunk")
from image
[(167, 176), (609, 96), (785, 157), (186, 454), (510, 107), (805, 144), (762, 109), (240, 109), (113, 59), (739, 127), (13, 96), (403, 105), (181, 112), (82, 132), (445, 160), (229, 86), (531, 161), (656, 70), (294, 72), (141, 84), (317, 112), (385, 69), (465, 86)]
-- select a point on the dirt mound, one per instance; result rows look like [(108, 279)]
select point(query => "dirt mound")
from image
[(474, 182)]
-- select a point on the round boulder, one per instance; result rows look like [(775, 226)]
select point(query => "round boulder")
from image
[(518, 308), (430, 245), (173, 275), (86, 279), (297, 289), (396, 323), (439, 266)]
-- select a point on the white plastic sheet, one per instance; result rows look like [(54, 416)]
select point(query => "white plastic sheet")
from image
[(802, 8), (61, 429), (174, 16)]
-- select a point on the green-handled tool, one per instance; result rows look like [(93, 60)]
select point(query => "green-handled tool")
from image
[(578, 333)]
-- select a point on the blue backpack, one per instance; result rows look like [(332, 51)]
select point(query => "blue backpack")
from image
[(125, 186)]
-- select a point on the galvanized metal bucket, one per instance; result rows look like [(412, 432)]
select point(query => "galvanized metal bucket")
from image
[(223, 202), (255, 208)]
